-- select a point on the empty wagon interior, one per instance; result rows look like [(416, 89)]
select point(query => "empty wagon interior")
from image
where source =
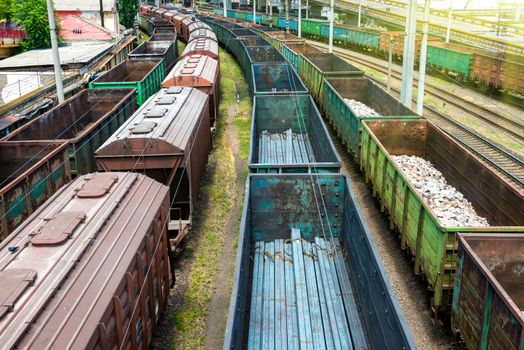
[(303, 48), (18, 157), (369, 93), (290, 127), (295, 271), (74, 117), (129, 71), (241, 31), (253, 41), (263, 54), (490, 195), (328, 62), (272, 78), (152, 48), (503, 256)]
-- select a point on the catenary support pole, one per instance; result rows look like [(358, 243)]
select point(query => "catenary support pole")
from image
[(422, 65), (225, 8), (408, 62), (307, 9), (56, 55), (254, 11), (331, 19), (286, 4), (450, 16), (390, 61), (359, 14), (299, 24)]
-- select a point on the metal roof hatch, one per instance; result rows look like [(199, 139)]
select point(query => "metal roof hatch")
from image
[(58, 229), (13, 284), (97, 185)]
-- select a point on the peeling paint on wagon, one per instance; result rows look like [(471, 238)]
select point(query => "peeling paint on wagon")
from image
[(31, 172), (434, 247), (84, 131)]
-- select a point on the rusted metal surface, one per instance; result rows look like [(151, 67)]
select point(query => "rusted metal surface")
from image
[(202, 33), (168, 139), (488, 301), (31, 172), (177, 22), (202, 46), (163, 37), (499, 70), (201, 72), (157, 50), (85, 273), (184, 28), (85, 121)]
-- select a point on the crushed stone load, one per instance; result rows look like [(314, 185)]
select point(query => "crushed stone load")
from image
[(448, 204), (284, 148), (360, 109)]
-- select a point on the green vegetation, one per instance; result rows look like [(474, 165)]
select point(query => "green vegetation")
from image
[(219, 196), (127, 10), (6, 10), (32, 16)]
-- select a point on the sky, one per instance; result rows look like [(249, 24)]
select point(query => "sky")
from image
[(473, 4)]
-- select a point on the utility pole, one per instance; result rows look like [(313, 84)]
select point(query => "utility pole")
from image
[(225, 8), (390, 61), (422, 65), (406, 92), (307, 9), (271, 13), (286, 4), (299, 24), (116, 19), (102, 13), (331, 18), (359, 14), (254, 11), (450, 15), (56, 55)]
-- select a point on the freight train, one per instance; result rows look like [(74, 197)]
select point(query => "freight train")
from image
[(486, 69), (439, 250), (88, 264)]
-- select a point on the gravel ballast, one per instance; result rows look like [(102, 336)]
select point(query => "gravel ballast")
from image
[(361, 109), (449, 205)]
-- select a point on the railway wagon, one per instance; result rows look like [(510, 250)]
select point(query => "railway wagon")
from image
[(450, 57), (156, 50), (291, 259), (87, 273), (168, 139), (257, 17), (177, 22), (275, 79), (31, 172), (202, 46), (85, 121), (184, 28), (258, 54), (488, 302), (237, 46), (353, 36), (289, 136), (197, 25), (163, 36), (202, 34), (278, 39), (313, 27), (145, 23), (498, 71), (293, 52), (159, 23), (315, 67), (346, 120), (434, 245), (143, 75), (201, 72)]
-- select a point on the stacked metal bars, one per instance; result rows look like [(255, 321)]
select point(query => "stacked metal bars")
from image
[(302, 297), (285, 148)]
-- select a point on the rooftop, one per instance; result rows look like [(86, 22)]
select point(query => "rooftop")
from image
[(83, 5), (76, 28)]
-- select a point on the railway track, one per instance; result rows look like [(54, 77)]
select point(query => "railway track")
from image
[(510, 126)]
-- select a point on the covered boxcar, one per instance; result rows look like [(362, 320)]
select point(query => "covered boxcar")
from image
[(202, 46), (168, 139), (201, 72), (89, 269), (307, 272), (203, 33)]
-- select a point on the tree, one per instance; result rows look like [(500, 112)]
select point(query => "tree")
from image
[(127, 10), (32, 16), (6, 10)]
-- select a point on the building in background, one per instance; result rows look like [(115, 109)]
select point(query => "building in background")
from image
[(90, 10)]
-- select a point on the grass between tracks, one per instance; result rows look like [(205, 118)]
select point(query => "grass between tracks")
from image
[(218, 196)]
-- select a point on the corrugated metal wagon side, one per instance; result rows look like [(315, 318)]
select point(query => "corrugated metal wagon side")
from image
[(315, 67), (433, 245), (143, 75), (488, 302), (289, 136), (91, 267), (292, 53), (31, 172), (346, 122), (291, 260), (85, 121)]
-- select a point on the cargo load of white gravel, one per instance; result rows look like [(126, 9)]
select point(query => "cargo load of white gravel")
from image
[(361, 109), (449, 205)]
